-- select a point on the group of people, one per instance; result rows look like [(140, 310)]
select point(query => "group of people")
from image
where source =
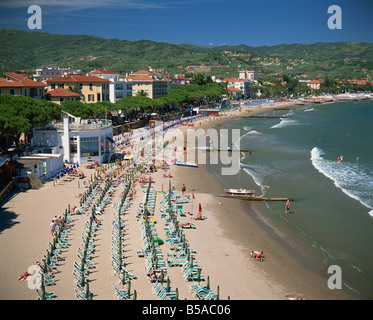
[(55, 224)]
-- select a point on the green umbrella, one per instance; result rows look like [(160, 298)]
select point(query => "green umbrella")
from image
[(128, 287), (168, 284)]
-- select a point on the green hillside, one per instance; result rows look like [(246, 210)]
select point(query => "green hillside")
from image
[(27, 50)]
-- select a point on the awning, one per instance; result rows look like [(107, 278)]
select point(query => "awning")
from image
[(110, 139)]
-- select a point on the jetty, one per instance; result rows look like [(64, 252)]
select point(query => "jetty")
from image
[(254, 198), (265, 117), (230, 150)]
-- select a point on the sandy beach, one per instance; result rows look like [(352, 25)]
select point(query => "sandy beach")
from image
[(223, 241)]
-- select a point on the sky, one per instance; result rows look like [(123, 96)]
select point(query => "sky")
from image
[(200, 22)]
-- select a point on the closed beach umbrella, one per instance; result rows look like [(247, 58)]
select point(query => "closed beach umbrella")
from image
[(128, 287), (208, 282), (200, 208), (168, 284)]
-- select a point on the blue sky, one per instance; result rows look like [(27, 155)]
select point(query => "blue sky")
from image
[(201, 22)]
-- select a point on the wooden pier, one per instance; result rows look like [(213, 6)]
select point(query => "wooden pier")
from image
[(254, 198)]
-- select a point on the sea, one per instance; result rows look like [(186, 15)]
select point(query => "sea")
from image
[(294, 153)]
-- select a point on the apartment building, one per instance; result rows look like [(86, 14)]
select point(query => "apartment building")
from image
[(118, 87), (60, 95), (248, 75), (91, 88), (53, 71), (241, 84), (19, 85), (151, 83)]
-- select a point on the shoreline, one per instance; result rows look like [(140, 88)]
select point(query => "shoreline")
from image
[(283, 252), (222, 241)]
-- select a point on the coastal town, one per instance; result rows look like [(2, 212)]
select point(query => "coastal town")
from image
[(124, 224)]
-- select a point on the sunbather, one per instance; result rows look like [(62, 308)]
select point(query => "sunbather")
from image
[(24, 276), (258, 255)]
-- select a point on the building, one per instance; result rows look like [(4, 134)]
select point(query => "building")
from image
[(152, 83), (44, 166), (234, 93), (82, 141), (313, 84), (51, 72), (91, 88), (248, 75), (19, 85), (118, 87), (180, 80), (60, 95), (241, 84)]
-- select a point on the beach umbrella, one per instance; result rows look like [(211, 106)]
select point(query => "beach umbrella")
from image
[(208, 282), (177, 294), (217, 293), (128, 287), (168, 284), (134, 295), (162, 277), (87, 291)]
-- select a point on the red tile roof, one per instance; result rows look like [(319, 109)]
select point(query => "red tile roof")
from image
[(76, 78), (16, 80), (233, 89), (139, 78), (146, 72), (103, 72), (61, 92)]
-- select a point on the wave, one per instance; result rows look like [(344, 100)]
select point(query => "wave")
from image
[(258, 174), (354, 180), (284, 123), (310, 109)]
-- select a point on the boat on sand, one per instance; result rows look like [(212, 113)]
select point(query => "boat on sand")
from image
[(187, 164), (239, 192)]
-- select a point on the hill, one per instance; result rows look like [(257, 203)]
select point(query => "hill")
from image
[(26, 50), (315, 51)]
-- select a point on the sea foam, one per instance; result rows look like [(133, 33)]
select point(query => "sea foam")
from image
[(354, 180), (284, 123)]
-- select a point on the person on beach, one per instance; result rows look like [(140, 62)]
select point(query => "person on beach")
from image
[(258, 255), (24, 276), (52, 227), (183, 189), (287, 206)]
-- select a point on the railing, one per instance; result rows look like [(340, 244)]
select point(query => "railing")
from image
[(7, 190)]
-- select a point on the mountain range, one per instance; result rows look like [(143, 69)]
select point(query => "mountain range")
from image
[(26, 50)]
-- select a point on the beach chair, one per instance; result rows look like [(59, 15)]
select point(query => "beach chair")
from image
[(43, 295)]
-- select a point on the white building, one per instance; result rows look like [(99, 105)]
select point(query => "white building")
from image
[(51, 72), (248, 75), (118, 87), (82, 141), (241, 84), (44, 166)]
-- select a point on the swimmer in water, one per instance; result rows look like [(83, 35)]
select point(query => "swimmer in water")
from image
[(287, 206)]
